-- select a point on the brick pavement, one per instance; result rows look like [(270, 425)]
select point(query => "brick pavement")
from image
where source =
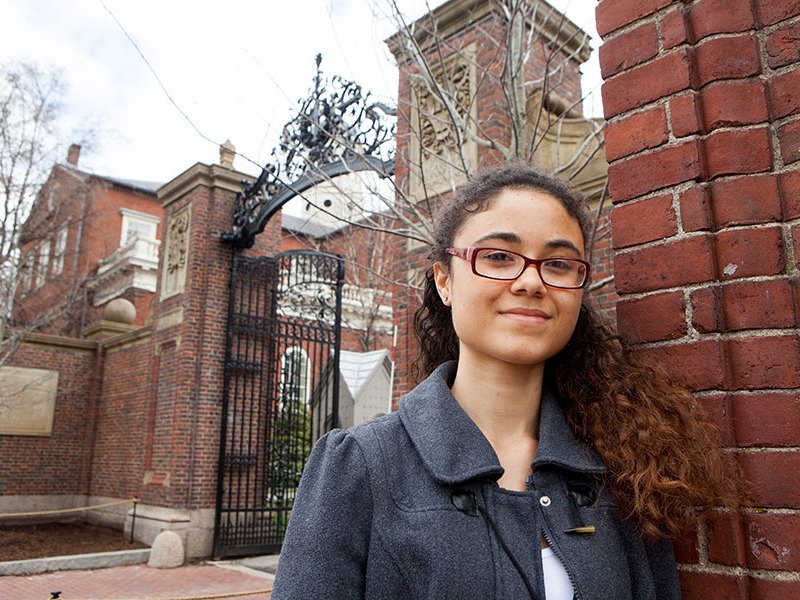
[(139, 582)]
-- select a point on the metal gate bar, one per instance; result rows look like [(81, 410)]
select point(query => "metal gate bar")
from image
[(280, 394)]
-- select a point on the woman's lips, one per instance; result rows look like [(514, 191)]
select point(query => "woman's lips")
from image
[(527, 315)]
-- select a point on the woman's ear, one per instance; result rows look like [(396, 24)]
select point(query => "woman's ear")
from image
[(441, 276)]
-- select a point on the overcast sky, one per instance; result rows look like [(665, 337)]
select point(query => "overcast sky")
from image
[(235, 68)]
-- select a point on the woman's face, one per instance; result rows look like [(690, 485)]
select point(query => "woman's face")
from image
[(521, 322)]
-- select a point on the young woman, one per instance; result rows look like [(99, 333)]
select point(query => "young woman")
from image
[(535, 461)]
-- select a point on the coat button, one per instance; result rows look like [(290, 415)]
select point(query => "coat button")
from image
[(544, 501)]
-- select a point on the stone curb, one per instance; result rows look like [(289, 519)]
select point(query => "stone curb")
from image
[(98, 560)]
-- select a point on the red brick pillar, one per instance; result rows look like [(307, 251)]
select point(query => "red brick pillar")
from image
[(703, 106), (189, 322)]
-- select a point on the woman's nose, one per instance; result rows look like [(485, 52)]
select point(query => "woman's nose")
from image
[(529, 281)]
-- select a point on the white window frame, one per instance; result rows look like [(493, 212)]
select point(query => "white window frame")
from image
[(26, 272), (44, 263), (128, 216), (304, 372), (60, 250)]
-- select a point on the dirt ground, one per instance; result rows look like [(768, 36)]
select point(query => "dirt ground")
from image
[(21, 542)]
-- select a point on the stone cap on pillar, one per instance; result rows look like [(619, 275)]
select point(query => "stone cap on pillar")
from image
[(227, 154), (200, 174)]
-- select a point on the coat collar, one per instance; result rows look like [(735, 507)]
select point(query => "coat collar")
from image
[(453, 448)]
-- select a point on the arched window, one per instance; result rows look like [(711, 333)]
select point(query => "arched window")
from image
[(294, 376)]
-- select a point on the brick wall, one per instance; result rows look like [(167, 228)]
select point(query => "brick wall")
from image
[(122, 419), (702, 99), (57, 464)]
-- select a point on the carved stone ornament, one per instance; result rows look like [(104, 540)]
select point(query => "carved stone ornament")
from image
[(176, 253), (438, 156)]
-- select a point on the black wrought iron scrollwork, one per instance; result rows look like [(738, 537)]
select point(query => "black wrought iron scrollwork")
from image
[(308, 288), (337, 120), (338, 129)]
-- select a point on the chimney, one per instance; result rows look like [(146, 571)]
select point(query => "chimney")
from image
[(74, 154)]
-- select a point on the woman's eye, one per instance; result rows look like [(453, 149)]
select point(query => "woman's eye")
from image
[(498, 256), (560, 265)]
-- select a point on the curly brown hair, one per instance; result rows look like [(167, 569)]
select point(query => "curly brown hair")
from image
[(663, 460)]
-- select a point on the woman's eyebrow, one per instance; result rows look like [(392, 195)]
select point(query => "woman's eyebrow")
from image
[(509, 236), (505, 236), (562, 243)]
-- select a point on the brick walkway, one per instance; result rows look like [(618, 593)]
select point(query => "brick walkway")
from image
[(139, 582)]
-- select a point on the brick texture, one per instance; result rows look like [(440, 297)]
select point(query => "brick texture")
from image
[(636, 87), (643, 221), (613, 14), (724, 156), (784, 94), (676, 263), (696, 365), (789, 138), (767, 419), (695, 209), (58, 463), (734, 103), (674, 29), (750, 252), (637, 132), (771, 539), (720, 16), (772, 11), (655, 170), (789, 186), (731, 266), (746, 200), (727, 58), (743, 305), (685, 115), (782, 47), (628, 49), (654, 317), (766, 490)]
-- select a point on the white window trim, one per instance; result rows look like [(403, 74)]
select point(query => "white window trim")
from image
[(135, 215), (26, 277), (44, 263), (306, 366), (60, 250)]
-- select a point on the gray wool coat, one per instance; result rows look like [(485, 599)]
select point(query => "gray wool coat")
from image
[(408, 507)]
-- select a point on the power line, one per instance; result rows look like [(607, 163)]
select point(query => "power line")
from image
[(164, 88)]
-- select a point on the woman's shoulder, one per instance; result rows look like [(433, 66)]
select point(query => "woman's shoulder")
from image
[(361, 437)]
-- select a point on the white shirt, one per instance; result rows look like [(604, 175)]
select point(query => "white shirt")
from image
[(557, 585)]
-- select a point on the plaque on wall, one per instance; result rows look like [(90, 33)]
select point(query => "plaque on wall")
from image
[(27, 400)]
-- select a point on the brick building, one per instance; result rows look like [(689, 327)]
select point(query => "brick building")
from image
[(89, 239)]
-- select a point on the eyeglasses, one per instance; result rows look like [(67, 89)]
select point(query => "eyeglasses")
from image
[(504, 265)]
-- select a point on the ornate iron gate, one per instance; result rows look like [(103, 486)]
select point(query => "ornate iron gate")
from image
[(281, 391)]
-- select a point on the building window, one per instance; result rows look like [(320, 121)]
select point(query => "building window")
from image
[(294, 376), (44, 263), (60, 250), (137, 225), (26, 273)]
